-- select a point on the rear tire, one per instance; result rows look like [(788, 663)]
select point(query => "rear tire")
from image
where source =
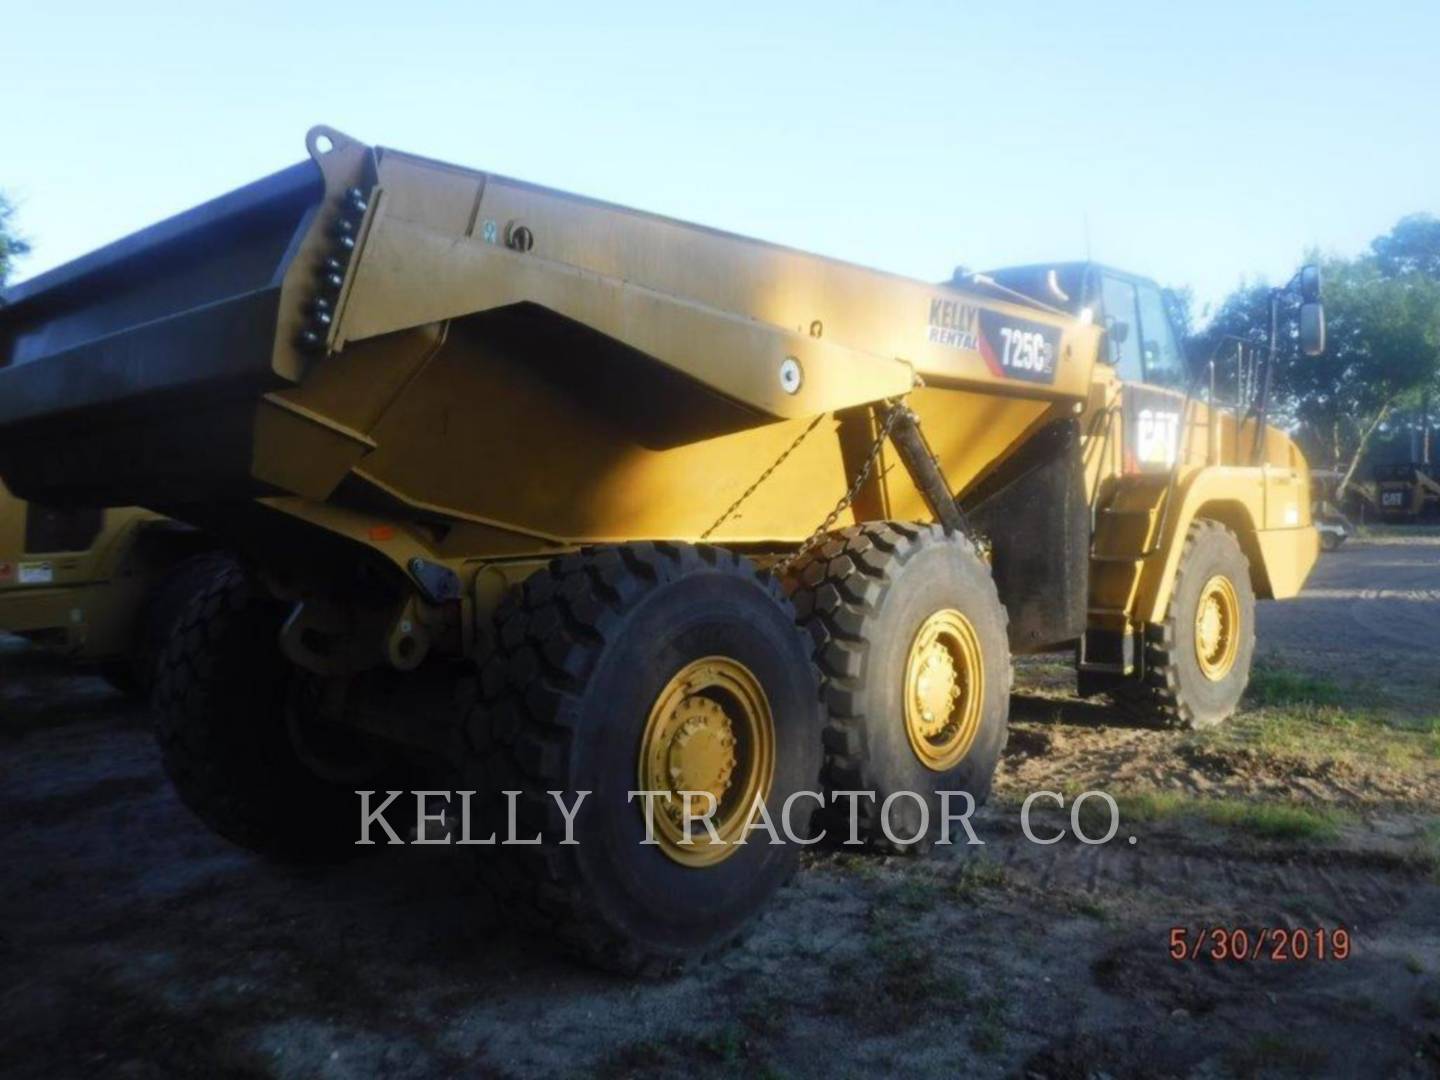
[(1192, 685), (225, 701), (133, 673), (589, 651), (870, 596), (167, 601)]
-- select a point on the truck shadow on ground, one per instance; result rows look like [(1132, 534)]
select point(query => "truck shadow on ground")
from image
[(127, 928), (1074, 712)]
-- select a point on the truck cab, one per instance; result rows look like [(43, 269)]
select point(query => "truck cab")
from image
[(1144, 345), (1170, 468)]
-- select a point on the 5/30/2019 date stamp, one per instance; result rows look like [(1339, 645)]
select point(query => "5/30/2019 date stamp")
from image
[(1273, 943)]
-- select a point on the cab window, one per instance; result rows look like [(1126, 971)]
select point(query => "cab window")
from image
[(1160, 354), (1117, 299)]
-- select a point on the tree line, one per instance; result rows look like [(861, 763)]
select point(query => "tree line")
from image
[(12, 246), (1380, 374)]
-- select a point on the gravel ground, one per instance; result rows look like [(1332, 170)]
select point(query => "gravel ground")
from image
[(134, 943), (1369, 614)]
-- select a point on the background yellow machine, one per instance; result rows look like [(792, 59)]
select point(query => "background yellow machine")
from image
[(688, 512), (95, 585)]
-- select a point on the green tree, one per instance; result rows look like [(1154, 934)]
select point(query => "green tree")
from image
[(1180, 306), (1411, 247), (11, 245), (1382, 352)]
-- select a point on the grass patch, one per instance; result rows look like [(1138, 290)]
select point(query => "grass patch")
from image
[(922, 889), (988, 1034), (723, 1051), (975, 875), (1392, 740), (1280, 687), (1275, 821), (1429, 846), (1313, 718), (1265, 820), (1266, 1053), (895, 982), (725, 1045), (1092, 908), (862, 865), (765, 1015), (916, 894)]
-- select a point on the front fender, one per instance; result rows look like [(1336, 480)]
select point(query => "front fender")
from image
[(1280, 559)]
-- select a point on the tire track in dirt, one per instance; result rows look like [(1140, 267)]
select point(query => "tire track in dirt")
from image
[(1273, 888)]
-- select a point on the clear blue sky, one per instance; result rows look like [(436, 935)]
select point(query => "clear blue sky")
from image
[(1202, 142)]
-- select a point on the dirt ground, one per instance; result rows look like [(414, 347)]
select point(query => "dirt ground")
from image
[(133, 943)]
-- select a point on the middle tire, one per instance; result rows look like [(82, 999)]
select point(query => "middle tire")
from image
[(659, 667), (911, 641)]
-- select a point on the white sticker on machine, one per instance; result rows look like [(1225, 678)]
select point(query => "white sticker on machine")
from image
[(1157, 436), (36, 573)]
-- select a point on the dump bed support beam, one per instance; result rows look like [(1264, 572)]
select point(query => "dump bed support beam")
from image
[(920, 463)]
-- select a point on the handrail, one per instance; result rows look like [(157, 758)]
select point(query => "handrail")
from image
[(1181, 453)]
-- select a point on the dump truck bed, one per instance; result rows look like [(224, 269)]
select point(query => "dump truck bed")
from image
[(511, 364)]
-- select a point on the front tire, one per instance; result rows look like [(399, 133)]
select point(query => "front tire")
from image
[(644, 667), (911, 640), (1197, 661)]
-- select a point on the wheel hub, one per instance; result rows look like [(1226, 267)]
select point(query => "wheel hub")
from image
[(1217, 627), (701, 753), (937, 689), (711, 732), (944, 689)]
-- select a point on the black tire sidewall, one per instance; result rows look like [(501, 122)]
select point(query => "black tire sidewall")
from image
[(637, 888), (221, 713), (1214, 551), (938, 576)]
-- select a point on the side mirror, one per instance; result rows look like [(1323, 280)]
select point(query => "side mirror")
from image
[(1310, 284), (1115, 334), (1312, 328)]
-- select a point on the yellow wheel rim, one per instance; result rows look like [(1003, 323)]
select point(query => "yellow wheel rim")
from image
[(1217, 628), (710, 731), (944, 690)]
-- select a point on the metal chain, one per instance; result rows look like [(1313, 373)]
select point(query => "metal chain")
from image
[(894, 409), (763, 477)]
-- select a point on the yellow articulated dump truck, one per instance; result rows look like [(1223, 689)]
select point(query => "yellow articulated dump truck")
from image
[(663, 539), (94, 585)]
